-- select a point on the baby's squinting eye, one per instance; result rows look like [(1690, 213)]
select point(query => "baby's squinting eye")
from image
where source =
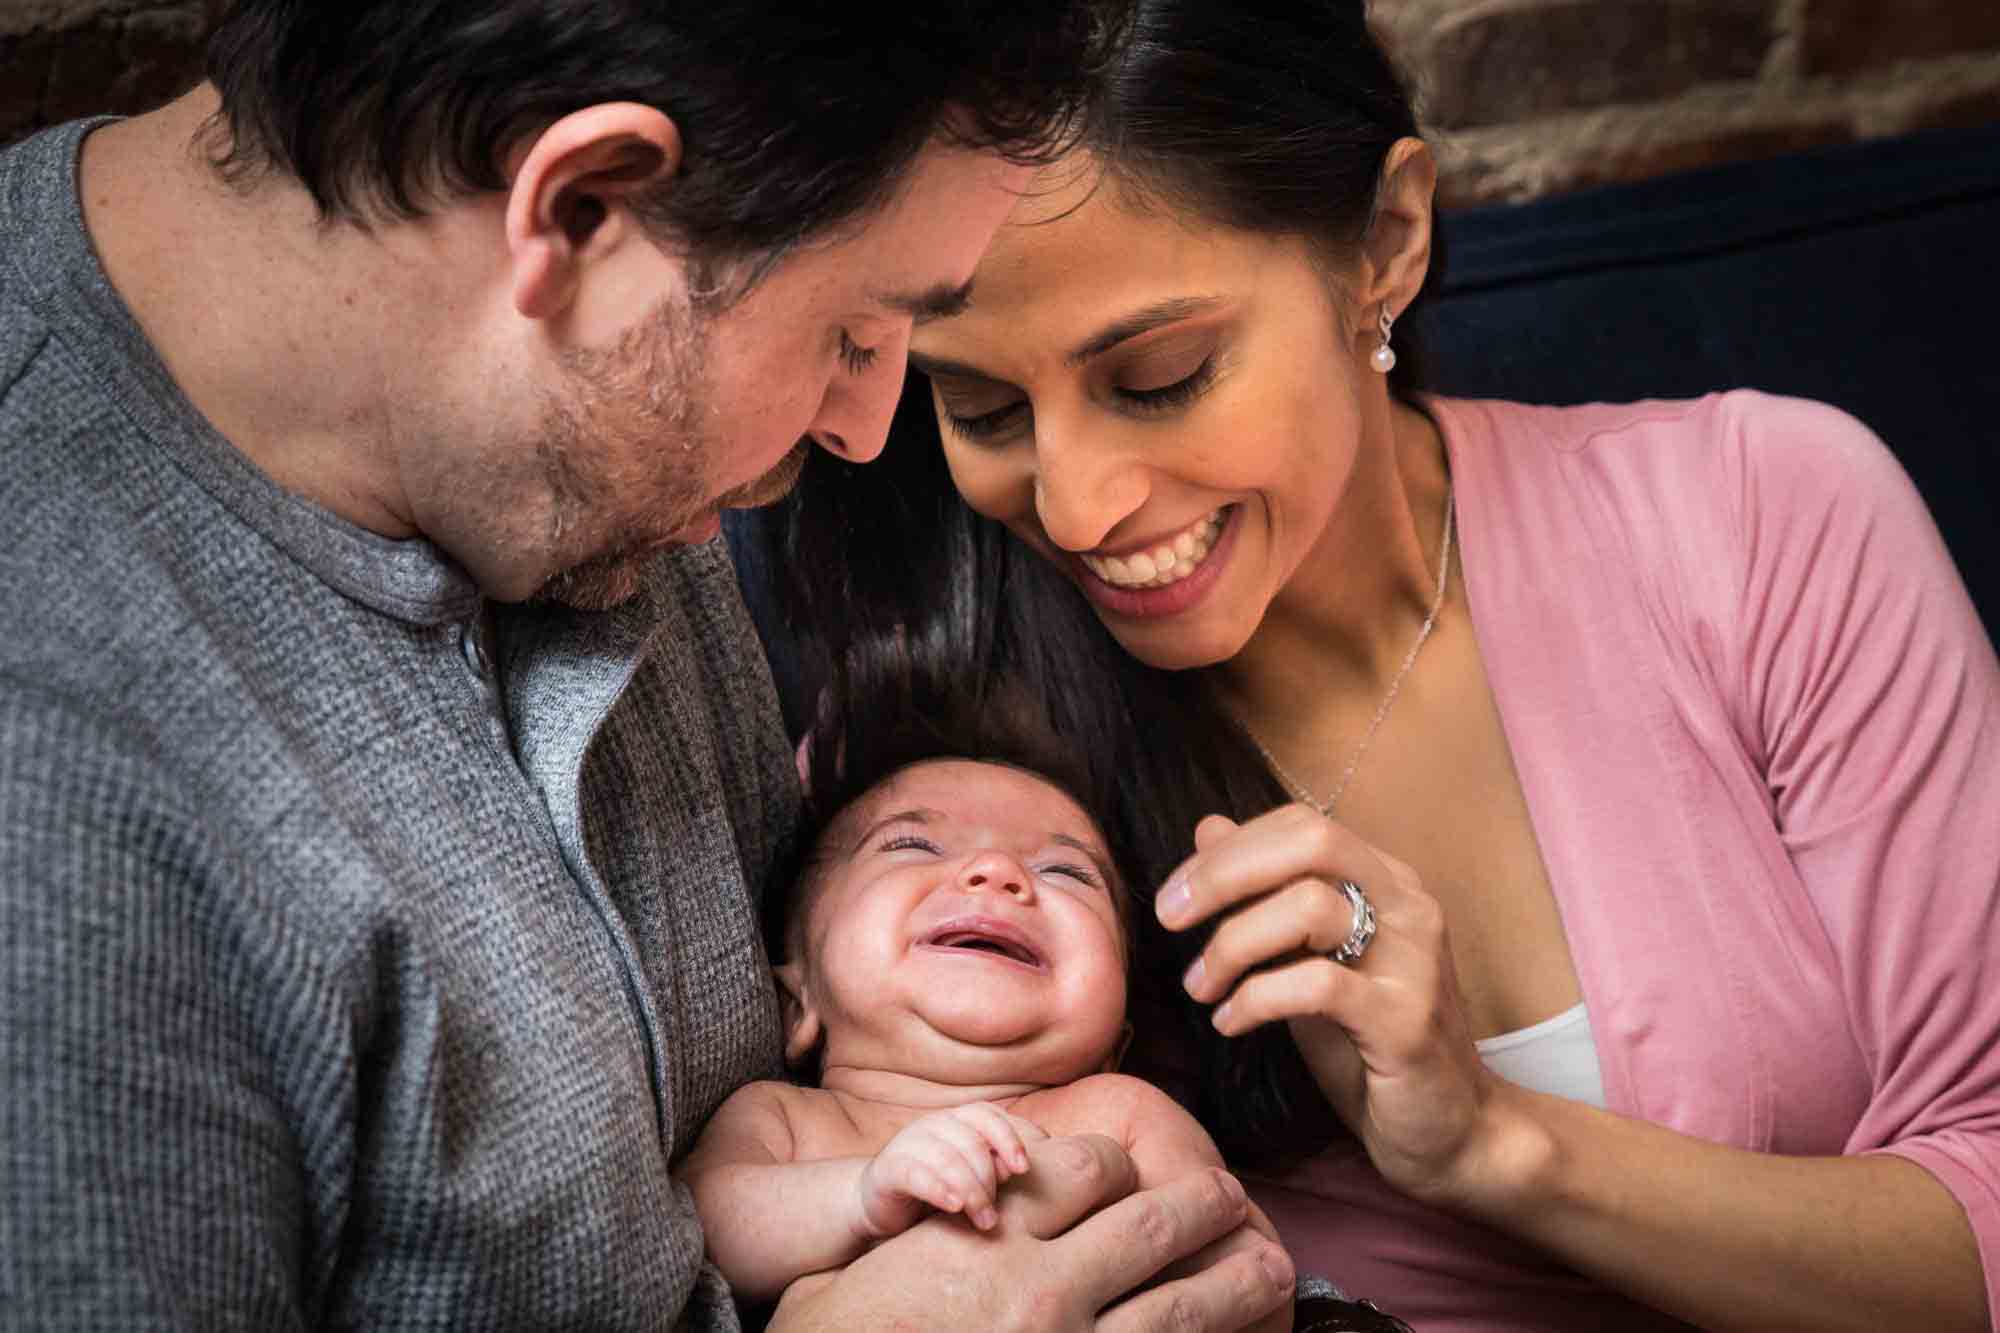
[(1081, 874), (908, 842)]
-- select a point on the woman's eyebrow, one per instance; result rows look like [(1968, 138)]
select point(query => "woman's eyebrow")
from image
[(937, 365), (1140, 321)]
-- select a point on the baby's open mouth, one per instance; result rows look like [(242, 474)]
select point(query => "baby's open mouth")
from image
[(984, 937)]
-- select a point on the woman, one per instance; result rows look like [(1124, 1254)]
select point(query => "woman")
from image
[(1596, 932)]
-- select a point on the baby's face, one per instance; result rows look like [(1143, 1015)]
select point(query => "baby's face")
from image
[(965, 927)]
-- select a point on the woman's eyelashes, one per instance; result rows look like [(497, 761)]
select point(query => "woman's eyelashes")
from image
[(986, 425), (1162, 398), (1179, 393)]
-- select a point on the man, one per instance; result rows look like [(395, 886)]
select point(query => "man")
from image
[(379, 797)]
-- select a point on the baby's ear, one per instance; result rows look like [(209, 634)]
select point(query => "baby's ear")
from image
[(1117, 1056), (796, 1012)]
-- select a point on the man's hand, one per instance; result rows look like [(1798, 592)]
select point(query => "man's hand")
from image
[(1073, 1245)]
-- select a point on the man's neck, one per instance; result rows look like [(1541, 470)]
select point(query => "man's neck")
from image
[(300, 341)]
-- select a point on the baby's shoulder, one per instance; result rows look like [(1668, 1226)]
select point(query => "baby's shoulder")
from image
[(1129, 1110), (788, 1119)]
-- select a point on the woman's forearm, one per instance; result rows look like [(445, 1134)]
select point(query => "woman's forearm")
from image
[(767, 1224), (1726, 1238)]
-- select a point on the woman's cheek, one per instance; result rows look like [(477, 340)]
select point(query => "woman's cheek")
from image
[(981, 484)]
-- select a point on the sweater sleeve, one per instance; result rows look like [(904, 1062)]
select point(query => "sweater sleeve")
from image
[(1872, 689), (150, 1175)]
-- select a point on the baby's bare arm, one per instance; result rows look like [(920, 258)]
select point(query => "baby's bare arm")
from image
[(1165, 1143), (768, 1217), (771, 1217)]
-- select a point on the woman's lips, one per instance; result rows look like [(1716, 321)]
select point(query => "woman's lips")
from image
[(1160, 564), (1211, 538)]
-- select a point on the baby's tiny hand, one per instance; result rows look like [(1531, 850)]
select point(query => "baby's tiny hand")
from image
[(953, 1161)]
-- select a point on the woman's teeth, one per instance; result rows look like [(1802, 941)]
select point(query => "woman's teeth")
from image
[(1169, 562)]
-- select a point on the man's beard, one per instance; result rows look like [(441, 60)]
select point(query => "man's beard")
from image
[(653, 387)]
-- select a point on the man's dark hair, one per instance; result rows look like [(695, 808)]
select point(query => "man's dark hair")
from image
[(794, 116)]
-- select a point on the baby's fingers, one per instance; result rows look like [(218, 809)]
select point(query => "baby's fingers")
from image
[(1001, 1135)]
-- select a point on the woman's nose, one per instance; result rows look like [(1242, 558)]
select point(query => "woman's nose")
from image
[(1084, 489), (997, 872)]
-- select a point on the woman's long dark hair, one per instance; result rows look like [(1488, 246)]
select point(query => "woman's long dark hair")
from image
[(1271, 116)]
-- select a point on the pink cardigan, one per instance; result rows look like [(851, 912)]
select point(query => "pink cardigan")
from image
[(1758, 725)]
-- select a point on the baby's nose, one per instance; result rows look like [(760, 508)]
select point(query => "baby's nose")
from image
[(997, 872)]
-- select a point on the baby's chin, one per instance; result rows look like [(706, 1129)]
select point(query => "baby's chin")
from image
[(946, 1068)]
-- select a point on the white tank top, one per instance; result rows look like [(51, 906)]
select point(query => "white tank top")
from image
[(1556, 1055)]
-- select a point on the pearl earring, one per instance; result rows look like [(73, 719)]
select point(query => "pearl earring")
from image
[(1384, 357)]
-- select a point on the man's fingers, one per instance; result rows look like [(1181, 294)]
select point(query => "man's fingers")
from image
[(1068, 1179), (1232, 1293), (1127, 1244)]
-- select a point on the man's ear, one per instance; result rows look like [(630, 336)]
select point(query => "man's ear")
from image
[(561, 202), (796, 1013), (1396, 252)]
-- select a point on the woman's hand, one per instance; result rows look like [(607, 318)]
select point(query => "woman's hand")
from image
[(1385, 1037)]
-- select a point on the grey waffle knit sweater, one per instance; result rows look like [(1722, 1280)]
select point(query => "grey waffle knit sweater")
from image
[(340, 985)]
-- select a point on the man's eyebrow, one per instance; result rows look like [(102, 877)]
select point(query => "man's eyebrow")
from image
[(1140, 321), (939, 302)]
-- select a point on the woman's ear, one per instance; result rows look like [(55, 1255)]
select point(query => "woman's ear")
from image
[(563, 201), (796, 1013), (1396, 252)]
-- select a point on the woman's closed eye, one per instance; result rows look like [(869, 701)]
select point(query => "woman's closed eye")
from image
[(977, 422), (989, 424), (1175, 393)]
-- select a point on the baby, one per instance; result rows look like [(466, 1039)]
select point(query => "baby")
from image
[(955, 960)]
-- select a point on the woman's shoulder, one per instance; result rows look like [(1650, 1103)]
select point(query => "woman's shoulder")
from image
[(1702, 470), (1765, 430), (1567, 428)]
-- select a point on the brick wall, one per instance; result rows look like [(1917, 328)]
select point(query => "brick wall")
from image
[(1531, 97), (1524, 97), (65, 58)]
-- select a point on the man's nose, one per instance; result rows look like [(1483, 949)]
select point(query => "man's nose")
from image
[(854, 414)]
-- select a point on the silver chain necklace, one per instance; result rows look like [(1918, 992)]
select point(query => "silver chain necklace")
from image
[(1292, 784)]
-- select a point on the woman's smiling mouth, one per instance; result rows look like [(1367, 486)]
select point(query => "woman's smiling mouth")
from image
[(1161, 564)]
